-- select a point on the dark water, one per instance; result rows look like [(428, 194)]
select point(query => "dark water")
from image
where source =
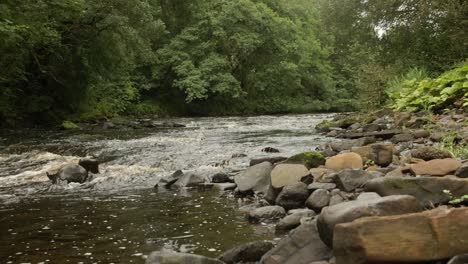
[(118, 217)]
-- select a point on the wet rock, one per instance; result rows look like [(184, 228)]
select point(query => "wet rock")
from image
[(6, 199), (272, 160), (227, 186), (69, 173), (293, 196), (158, 257), (300, 246), (266, 214), (255, 178), (171, 179), (239, 155), (352, 210), (436, 167), (428, 190), (318, 200), (426, 236), (349, 180), (430, 153), (462, 172), (460, 259), (270, 150), (91, 165), (189, 179), (293, 220), (406, 137), (309, 159), (318, 185), (344, 161), (286, 174), (221, 178), (250, 252)]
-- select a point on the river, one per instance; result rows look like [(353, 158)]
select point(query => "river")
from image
[(119, 217)]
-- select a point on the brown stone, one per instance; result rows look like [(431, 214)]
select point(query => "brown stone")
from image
[(431, 235), (430, 153), (344, 161), (436, 167), (286, 174), (421, 134)]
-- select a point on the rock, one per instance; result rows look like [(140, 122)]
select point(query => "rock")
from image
[(348, 180), (250, 252), (342, 145), (371, 128), (350, 211), (270, 150), (380, 154), (421, 134), (300, 246), (438, 136), (336, 199), (436, 167), (318, 185), (293, 196), (190, 179), (227, 186), (309, 159), (318, 200), (69, 173), (267, 213), (293, 220), (239, 155), (386, 134), (462, 172), (460, 259), (91, 165), (368, 196), (321, 174), (401, 118), (171, 179), (426, 236), (428, 190), (255, 178), (344, 161), (272, 160), (158, 257), (430, 153), (220, 178), (402, 138), (286, 174)]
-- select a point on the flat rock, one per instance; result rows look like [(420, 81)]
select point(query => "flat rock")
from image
[(293, 220), (300, 246), (430, 153), (286, 174), (319, 185), (344, 161), (352, 210), (255, 178), (179, 258), (436, 167), (293, 196), (349, 180), (267, 213), (428, 190), (425, 236), (250, 252)]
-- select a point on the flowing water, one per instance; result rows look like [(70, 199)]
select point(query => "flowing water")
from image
[(118, 217)]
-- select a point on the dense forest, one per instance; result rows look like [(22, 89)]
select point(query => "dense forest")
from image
[(88, 59)]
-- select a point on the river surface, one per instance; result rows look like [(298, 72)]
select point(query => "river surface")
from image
[(118, 217)]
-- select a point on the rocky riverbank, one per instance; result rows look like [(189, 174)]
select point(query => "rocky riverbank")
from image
[(386, 188)]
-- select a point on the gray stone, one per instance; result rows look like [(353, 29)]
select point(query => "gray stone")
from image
[(319, 185), (266, 214), (352, 210), (250, 252), (300, 246), (462, 172), (220, 178), (255, 178), (69, 173), (348, 180), (293, 196), (272, 160), (371, 128), (158, 257), (336, 199), (293, 220), (318, 200), (428, 190), (189, 179), (368, 196)]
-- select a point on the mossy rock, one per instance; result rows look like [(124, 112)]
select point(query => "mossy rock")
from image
[(309, 159), (69, 125), (324, 126)]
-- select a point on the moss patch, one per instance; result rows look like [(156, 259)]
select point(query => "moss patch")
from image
[(310, 159), (399, 183), (69, 125)]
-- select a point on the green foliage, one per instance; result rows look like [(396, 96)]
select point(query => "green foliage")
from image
[(433, 94), (69, 125), (451, 144), (310, 159), (456, 201)]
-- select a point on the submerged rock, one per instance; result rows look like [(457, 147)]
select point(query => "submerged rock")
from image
[(69, 173), (250, 252)]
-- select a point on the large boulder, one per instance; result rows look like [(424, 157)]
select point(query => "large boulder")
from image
[(344, 161), (428, 190), (286, 174), (300, 246), (255, 178), (266, 214), (310, 159), (352, 210), (250, 252), (349, 180), (293, 196), (419, 237), (437, 167), (430, 153), (69, 173), (158, 257), (91, 165), (293, 220), (318, 200)]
